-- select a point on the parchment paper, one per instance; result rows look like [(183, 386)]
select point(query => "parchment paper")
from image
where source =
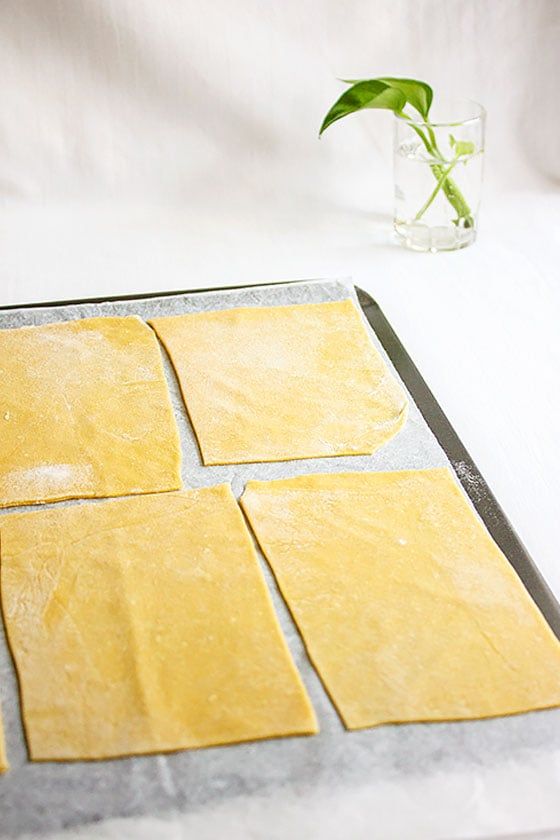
[(390, 781)]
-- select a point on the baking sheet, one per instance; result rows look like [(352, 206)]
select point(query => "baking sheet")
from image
[(334, 765)]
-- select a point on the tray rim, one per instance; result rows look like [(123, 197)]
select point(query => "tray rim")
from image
[(483, 500)]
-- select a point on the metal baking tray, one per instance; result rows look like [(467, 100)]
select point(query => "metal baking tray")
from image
[(46, 798), (468, 473)]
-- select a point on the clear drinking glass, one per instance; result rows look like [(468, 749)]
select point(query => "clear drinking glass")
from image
[(438, 177)]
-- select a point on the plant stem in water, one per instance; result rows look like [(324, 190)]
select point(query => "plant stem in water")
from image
[(452, 192), (439, 185)]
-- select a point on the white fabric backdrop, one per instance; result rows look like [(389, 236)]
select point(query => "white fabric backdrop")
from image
[(188, 101), (159, 144)]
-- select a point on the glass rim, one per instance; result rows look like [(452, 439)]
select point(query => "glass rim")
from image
[(447, 123)]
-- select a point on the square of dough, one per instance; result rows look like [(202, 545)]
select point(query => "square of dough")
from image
[(144, 625), (282, 382), (408, 609), (84, 411)]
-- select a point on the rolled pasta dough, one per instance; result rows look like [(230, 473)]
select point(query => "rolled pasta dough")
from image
[(409, 610), (281, 382), (84, 412), (144, 625)]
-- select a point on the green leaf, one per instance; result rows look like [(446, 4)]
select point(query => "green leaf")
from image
[(461, 147), (367, 94), (418, 94)]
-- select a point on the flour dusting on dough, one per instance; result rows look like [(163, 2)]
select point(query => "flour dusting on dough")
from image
[(84, 412), (282, 382), (47, 479)]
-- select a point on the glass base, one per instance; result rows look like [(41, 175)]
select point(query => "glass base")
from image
[(421, 237)]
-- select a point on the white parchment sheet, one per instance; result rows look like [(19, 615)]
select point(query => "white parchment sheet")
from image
[(441, 780)]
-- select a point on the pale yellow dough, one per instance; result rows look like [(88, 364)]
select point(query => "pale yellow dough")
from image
[(282, 382), (408, 609), (3, 760), (84, 411), (144, 625)]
